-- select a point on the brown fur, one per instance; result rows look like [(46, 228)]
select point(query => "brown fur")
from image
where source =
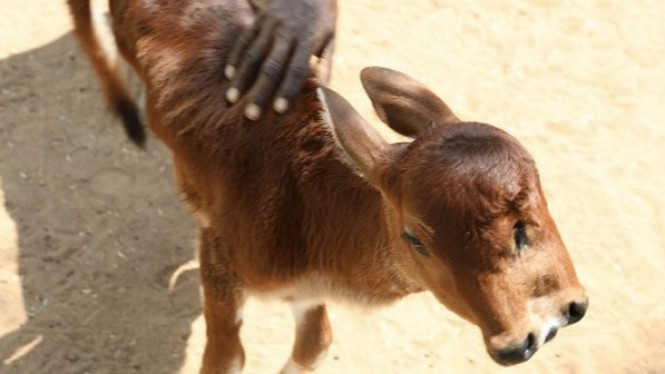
[(287, 212)]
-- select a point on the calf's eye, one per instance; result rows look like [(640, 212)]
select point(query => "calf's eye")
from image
[(519, 235), (415, 243)]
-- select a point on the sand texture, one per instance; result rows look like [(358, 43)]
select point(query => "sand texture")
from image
[(92, 229)]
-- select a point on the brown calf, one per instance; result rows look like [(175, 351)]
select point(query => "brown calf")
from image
[(315, 205)]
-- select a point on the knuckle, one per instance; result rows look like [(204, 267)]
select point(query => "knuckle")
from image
[(258, 97), (244, 39), (298, 71), (283, 33), (290, 91), (252, 57), (272, 69)]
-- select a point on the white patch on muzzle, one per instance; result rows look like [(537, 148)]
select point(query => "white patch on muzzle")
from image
[(545, 316)]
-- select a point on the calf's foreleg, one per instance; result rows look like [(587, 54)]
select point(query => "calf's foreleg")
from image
[(222, 305), (313, 337)]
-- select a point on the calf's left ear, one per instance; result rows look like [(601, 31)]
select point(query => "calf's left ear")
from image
[(405, 104), (365, 149)]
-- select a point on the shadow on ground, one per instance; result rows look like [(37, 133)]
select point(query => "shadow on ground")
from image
[(100, 227)]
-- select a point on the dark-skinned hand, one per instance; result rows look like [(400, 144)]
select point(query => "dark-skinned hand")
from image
[(271, 59)]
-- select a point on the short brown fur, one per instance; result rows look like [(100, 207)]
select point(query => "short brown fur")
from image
[(306, 209)]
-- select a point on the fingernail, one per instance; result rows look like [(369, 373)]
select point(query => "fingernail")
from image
[(229, 71), (253, 112), (281, 105), (232, 94)]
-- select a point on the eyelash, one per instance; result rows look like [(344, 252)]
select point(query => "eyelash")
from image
[(519, 236), (415, 243)]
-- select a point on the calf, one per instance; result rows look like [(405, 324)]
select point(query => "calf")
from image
[(314, 205)]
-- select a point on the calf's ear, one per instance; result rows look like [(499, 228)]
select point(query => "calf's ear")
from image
[(363, 147), (403, 103)]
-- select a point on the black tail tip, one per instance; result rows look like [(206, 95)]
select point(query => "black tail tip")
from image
[(131, 120)]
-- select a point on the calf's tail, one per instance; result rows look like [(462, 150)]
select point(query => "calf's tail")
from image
[(114, 90)]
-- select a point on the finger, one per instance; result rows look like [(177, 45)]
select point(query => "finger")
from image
[(241, 44), (271, 73), (293, 81), (323, 68), (251, 62), (327, 48)]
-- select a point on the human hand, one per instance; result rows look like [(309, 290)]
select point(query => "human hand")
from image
[(271, 59)]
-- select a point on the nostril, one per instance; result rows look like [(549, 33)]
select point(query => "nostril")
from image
[(520, 353), (530, 346), (576, 311)]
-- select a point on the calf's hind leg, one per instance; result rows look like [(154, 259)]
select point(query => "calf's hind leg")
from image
[(222, 305), (313, 337)]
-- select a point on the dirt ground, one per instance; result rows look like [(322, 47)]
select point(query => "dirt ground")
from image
[(92, 231)]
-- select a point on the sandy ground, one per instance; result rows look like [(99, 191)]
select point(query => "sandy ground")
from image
[(91, 230)]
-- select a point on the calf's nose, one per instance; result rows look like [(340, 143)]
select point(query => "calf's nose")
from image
[(516, 354), (576, 311)]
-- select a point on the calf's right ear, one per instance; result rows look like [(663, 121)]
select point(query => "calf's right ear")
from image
[(364, 148)]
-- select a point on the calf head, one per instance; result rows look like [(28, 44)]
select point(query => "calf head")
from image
[(466, 212)]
